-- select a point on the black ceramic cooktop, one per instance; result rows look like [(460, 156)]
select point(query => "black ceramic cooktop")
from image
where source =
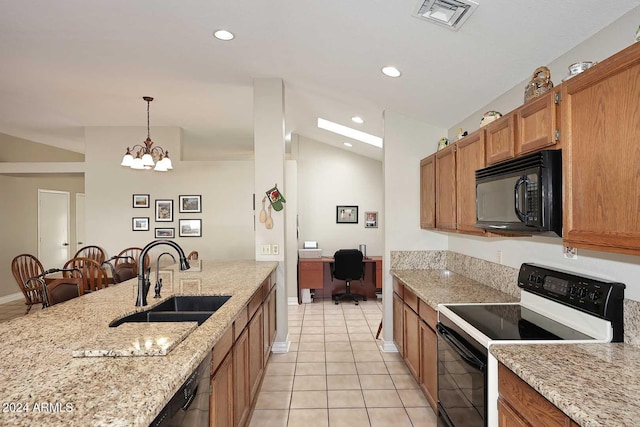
[(514, 322)]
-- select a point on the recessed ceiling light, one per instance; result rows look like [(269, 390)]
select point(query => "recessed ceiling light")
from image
[(350, 132), (223, 35), (357, 119), (348, 144), (391, 71)]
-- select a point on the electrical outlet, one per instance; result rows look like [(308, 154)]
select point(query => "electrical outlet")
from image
[(275, 249), (265, 250), (570, 252)]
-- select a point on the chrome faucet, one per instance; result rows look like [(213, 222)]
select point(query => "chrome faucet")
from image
[(158, 278), (143, 280)]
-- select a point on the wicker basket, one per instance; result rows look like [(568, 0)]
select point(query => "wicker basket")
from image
[(539, 85)]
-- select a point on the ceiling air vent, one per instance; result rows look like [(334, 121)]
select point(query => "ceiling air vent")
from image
[(447, 13)]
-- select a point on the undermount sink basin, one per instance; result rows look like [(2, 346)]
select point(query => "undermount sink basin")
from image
[(192, 303), (190, 308)]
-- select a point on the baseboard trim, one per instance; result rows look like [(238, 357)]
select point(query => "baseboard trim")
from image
[(11, 297), (292, 301), (388, 347), (281, 346)]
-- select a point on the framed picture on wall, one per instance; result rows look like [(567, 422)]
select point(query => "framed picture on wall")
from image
[(164, 210), (140, 223), (165, 233), (346, 214), (190, 228), (140, 200), (371, 220), (190, 204)]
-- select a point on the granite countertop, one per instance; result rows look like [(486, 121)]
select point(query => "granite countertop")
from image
[(594, 384), (43, 384), (443, 286)]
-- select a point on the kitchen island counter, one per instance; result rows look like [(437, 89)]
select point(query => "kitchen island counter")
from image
[(43, 384), (593, 384)]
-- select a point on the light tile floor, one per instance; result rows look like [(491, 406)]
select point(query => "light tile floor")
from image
[(335, 374)]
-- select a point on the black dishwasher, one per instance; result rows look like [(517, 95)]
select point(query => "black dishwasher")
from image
[(189, 407)]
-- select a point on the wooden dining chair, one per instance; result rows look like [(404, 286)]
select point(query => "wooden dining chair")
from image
[(23, 267), (90, 272), (193, 255), (125, 264), (96, 253), (62, 289)]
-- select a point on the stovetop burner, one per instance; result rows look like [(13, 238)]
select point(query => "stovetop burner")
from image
[(514, 322)]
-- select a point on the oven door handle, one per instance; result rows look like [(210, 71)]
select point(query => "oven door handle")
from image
[(466, 355)]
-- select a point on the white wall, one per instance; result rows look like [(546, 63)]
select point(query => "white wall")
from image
[(548, 251), (406, 141), (327, 177), (226, 188)]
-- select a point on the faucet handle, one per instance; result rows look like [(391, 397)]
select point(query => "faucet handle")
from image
[(158, 287)]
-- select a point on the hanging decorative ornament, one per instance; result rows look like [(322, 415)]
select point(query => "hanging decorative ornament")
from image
[(276, 198), (263, 213)]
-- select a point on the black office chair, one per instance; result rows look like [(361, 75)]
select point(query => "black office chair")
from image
[(347, 265)]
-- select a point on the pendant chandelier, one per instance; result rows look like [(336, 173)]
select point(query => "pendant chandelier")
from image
[(147, 157)]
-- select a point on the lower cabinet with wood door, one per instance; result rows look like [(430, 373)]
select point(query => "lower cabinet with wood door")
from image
[(414, 324), (520, 405), (239, 359)]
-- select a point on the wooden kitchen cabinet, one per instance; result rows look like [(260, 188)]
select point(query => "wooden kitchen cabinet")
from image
[(538, 124), (241, 386), (398, 316), (500, 139), (428, 378), (601, 154), (428, 192), (520, 405), (411, 340), (256, 352), (269, 330), (221, 403), (446, 188), (470, 157)]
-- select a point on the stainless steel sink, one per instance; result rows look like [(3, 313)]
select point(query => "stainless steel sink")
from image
[(190, 308)]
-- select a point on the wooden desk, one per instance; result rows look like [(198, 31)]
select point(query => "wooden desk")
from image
[(314, 273)]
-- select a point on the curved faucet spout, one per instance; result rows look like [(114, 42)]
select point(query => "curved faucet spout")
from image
[(143, 281)]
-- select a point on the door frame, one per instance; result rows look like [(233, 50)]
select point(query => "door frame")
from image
[(78, 244), (68, 194)]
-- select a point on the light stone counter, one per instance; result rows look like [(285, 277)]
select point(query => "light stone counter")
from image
[(42, 379), (443, 286), (594, 384)]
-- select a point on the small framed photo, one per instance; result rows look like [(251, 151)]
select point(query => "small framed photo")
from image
[(164, 210), (140, 200), (165, 233), (140, 223), (190, 228), (371, 220), (190, 204), (346, 214)]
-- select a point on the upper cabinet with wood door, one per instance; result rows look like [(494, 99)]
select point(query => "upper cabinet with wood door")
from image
[(538, 124), (500, 139), (428, 192), (470, 157), (601, 155), (446, 188)]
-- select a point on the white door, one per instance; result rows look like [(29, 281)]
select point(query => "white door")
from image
[(53, 228), (80, 238)]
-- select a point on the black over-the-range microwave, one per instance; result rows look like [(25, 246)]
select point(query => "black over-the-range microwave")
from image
[(521, 195)]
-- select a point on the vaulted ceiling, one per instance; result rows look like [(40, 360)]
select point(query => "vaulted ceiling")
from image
[(76, 63)]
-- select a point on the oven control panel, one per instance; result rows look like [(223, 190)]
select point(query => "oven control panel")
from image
[(595, 296)]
